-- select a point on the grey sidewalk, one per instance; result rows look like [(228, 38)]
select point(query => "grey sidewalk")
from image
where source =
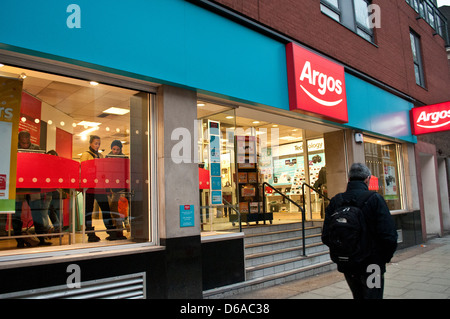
[(420, 272)]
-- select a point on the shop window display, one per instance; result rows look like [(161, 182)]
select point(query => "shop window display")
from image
[(382, 158), (73, 146), (286, 158)]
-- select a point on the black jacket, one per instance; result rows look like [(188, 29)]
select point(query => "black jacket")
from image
[(379, 222)]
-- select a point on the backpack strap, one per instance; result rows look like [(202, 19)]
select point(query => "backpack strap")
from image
[(362, 200), (359, 202)]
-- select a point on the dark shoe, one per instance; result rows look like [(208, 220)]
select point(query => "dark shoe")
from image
[(20, 243), (93, 238), (115, 235)]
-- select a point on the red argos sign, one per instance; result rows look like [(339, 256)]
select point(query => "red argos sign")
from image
[(316, 85), (431, 118)]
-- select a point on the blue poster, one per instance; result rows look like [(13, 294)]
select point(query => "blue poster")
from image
[(216, 183), (216, 197), (215, 169), (214, 147), (187, 217)]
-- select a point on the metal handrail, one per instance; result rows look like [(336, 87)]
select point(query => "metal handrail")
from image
[(227, 203), (317, 191), (290, 200)]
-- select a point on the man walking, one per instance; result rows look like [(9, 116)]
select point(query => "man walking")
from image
[(364, 270)]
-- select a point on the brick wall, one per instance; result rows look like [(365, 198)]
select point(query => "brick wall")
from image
[(389, 60)]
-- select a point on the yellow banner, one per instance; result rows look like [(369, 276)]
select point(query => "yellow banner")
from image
[(10, 98)]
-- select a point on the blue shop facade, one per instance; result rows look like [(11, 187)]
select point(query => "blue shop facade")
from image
[(162, 78)]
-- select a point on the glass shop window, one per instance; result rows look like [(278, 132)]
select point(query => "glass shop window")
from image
[(77, 167), (383, 159)]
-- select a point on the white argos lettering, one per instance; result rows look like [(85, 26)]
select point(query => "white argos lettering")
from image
[(434, 118), (322, 80), (6, 113)]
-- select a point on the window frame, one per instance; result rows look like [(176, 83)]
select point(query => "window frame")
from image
[(399, 157), (416, 46), (107, 77), (347, 17)]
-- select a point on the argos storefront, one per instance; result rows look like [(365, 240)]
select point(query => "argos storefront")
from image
[(160, 69)]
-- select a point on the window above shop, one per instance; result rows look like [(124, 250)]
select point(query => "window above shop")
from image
[(352, 14), (428, 11)]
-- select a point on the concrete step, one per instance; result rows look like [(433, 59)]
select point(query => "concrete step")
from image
[(259, 229), (269, 280), (281, 254), (274, 255), (279, 244), (287, 264), (268, 237)]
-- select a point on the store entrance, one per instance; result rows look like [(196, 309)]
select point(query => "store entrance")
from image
[(272, 167)]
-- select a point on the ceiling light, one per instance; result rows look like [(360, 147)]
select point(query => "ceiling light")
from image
[(200, 104), (1, 65), (89, 124), (289, 138), (116, 111), (93, 83), (229, 117), (255, 122)]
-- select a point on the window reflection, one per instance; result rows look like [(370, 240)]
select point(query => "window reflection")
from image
[(76, 146), (381, 158)]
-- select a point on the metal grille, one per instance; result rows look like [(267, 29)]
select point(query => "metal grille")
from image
[(121, 287)]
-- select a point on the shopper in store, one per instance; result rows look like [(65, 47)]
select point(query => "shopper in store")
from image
[(365, 276), (52, 205), (34, 199), (25, 141), (116, 193), (99, 195), (321, 185)]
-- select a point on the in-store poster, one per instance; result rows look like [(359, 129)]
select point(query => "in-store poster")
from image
[(10, 98), (215, 165)]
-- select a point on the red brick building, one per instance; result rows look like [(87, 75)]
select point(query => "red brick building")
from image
[(387, 55)]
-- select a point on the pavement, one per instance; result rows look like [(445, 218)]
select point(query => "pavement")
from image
[(419, 272)]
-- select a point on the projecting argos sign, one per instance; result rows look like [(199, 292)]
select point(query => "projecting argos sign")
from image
[(431, 118), (316, 85)]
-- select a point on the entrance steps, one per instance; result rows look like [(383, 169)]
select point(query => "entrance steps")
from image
[(274, 255)]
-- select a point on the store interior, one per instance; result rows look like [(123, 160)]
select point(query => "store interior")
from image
[(282, 163), (61, 114)]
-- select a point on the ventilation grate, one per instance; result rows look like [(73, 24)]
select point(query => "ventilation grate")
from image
[(121, 287)]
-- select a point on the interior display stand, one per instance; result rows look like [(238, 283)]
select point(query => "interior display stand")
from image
[(247, 179)]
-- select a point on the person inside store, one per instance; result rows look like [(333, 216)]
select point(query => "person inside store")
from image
[(52, 204), (116, 150), (117, 195), (381, 235), (321, 185), (34, 199), (99, 195), (25, 141)]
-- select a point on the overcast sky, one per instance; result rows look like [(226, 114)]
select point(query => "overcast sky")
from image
[(443, 3)]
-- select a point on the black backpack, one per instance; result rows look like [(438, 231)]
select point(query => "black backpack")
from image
[(347, 233)]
